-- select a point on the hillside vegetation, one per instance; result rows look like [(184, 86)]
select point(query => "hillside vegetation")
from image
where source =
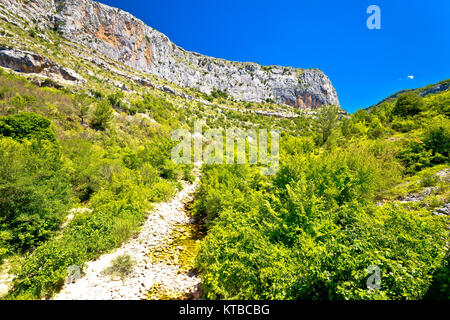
[(81, 165), (55, 157), (334, 210)]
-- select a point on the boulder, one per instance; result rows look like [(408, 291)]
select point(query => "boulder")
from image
[(29, 62)]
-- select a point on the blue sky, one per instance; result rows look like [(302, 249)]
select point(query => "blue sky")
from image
[(364, 65)]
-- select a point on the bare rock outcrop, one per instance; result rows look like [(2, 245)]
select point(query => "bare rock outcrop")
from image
[(122, 37), (29, 62)]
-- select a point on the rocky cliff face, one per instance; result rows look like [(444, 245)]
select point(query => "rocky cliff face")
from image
[(121, 37)]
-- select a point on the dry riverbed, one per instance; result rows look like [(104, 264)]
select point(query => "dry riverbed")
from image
[(163, 256)]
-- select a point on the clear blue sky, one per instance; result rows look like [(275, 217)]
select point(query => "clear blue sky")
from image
[(364, 65)]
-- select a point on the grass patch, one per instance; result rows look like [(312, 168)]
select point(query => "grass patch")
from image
[(121, 267)]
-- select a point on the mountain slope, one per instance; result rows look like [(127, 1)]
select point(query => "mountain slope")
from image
[(443, 85), (121, 37)]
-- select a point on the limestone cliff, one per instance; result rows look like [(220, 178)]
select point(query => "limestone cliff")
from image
[(121, 37)]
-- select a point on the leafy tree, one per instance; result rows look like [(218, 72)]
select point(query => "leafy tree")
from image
[(362, 116), (326, 120), (103, 114), (408, 104), (440, 103), (415, 157), (437, 139), (81, 101), (86, 164), (34, 193), (376, 129), (115, 99)]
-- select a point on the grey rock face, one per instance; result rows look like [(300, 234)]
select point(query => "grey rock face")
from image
[(121, 37), (443, 211), (28, 62)]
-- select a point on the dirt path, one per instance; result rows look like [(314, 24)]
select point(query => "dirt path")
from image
[(167, 276)]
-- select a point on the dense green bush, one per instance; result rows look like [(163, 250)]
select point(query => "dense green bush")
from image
[(312, 231), (376, 129), (116, 98), (440, 288), (26, 125), (34, 187), (408, 104), (219, 94), (34, 193), (118, 212), (437, 139), (102, 116), (415, 157), (326, 120)]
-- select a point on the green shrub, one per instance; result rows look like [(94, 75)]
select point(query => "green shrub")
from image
[(87, 167), (26, 125), (415, 157), (171, 171), (44, 271), (429, 180), (325, 121), (131, 160), (219, 94), (311, 231), (162, 191), (187, 173), (102, 116), (116, 98), (121, 266), (408, 104), (403, 126), (313, 238), (376, 129), (149, 174), (437, 139), (34, 193), (440, 287), (116, 216)]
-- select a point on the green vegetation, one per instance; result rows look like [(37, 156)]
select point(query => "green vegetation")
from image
[(313, 230), (121, 266), (34, 194), (335, 208), (26, 126), (52, 162), (326, 120), (219, 94), (408, 104), (103, 114)]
